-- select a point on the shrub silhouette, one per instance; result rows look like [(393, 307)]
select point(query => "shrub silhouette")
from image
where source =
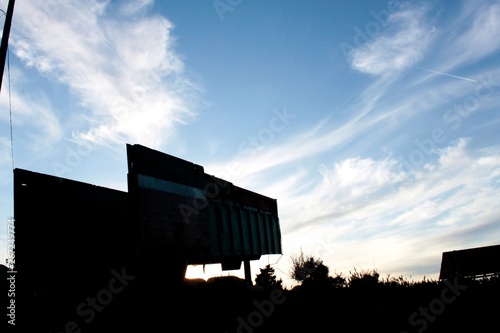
[(267, 279), (307, 269), (337, 281), (363, 279)]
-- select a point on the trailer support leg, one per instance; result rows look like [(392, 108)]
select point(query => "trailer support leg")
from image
[(248, 274)]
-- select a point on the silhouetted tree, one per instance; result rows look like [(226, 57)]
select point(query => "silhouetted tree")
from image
[(308, 269), (267, 279)]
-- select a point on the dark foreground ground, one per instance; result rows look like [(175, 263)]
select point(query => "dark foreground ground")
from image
[(231, 305)]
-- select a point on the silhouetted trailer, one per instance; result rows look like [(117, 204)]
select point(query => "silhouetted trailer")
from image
[(70, 236), (173, 215), (73, 238), (473, 262), (66, 223), (190, 216)]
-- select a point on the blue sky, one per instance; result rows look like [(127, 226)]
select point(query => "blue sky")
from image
[(374, 124)]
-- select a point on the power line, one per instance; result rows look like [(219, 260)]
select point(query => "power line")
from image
[(10, 110)]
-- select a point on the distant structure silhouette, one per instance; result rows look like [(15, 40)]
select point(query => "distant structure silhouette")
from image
[(471, 263)]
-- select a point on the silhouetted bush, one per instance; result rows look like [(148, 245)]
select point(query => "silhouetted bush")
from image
[(307, 269), (363, 279), (266, 278), (337, 281), (360, 302)]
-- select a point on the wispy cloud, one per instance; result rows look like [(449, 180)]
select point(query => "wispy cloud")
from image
[(366, 205), (472, 35), (131, 7), (334, 193), (328, 134), (34, 113), (400, 45), (372, 205), (127, 74)]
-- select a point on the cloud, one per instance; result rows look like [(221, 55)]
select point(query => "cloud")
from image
[(472, 35), (126, 74), (362, 203), (33, 113), (462, 40), (359, 210), (331, 200), (132, 7), (253, 160), (400, 45)]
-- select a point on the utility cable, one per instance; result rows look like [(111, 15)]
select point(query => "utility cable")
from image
[(10, 110), (10, 102)]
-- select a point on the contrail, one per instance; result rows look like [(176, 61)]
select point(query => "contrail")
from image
[(451, 75)]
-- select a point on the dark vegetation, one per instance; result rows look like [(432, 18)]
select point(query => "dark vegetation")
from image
[(361, 301)]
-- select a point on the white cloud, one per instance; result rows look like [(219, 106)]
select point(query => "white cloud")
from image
[(132, 7), (396, 48), (127, 74), (253, 162), (468, 37), (472, 35), (35, 116), (372, 208), (369, 205), (360, 177)]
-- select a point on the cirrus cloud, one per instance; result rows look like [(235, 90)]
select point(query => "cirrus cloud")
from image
[(126, 74), (398, 47)]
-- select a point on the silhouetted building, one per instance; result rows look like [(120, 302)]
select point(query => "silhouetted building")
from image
[(474, 262), (73, 238)]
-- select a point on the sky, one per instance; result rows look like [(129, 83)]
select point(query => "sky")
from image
[(375, 124)]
